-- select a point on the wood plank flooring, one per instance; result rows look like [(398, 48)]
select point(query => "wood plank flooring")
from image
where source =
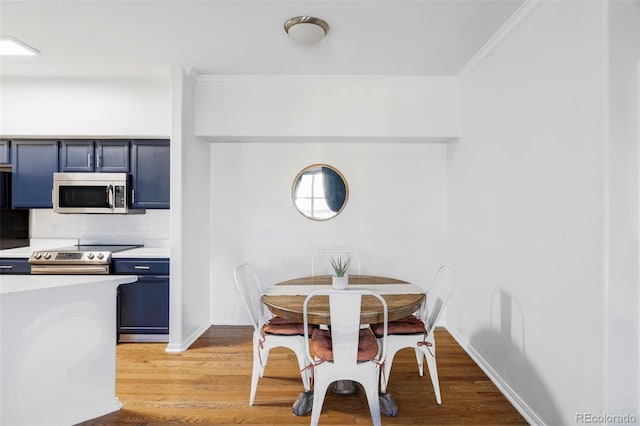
[(209, 385)]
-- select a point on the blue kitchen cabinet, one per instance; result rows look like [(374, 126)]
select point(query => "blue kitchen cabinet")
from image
[(5, 152), (33, 164), (5, 190), (15, 266), (83, 155), (112, 156), (76, 156), (150, 173), (143, 306), (5, 177), (141, 266)]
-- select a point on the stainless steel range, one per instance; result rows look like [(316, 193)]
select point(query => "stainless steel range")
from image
[(87, 259)]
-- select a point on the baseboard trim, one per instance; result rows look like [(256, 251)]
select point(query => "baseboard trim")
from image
[(175, 348), (144, 338), (525, 411)]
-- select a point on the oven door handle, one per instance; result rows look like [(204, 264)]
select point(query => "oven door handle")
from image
[(69, 270), (110, 196)]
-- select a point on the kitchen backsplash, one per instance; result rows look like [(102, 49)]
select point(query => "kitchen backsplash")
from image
[(154, 224)]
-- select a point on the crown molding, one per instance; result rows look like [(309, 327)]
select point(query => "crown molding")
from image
[(271, 78), (527, 10)]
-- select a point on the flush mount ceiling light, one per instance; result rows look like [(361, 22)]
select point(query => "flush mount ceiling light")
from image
[(306, 29), (12, 46)]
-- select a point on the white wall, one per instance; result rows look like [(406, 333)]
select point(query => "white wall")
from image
[(154, 224), (394, 218), (322, 106), (265, 129), (98, 106), (622, 346), (526, 212), (190, 233)]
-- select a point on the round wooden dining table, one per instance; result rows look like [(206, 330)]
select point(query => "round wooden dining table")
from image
[(402, 298), (285, 299)]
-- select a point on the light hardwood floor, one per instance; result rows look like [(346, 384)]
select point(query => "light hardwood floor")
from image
[(209, 385)]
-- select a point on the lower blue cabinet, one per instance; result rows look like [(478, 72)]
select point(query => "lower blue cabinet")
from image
[(15, 266), (143, 306)]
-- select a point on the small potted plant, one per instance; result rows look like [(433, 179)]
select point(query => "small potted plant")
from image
[(340, 279)]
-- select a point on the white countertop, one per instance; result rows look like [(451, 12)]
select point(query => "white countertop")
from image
[(18, 253), (58, 348), (143, 252), (20, 283)]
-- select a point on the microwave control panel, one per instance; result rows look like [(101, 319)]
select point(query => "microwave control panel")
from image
[(119, 198)]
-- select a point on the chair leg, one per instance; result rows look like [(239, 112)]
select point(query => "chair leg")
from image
[(373, 398), (419, 360), (391, 353), (305, 372), (433, 369), (265, 358), (255, 374), (319, 392)]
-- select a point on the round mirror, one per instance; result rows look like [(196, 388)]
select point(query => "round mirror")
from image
[(320, 192)]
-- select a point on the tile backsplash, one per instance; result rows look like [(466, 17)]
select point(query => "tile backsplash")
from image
[(154, 224)]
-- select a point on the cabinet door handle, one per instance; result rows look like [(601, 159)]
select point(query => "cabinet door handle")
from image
[(133, 196), (89, 160), (142, 267), (6, 266), (99, 161)]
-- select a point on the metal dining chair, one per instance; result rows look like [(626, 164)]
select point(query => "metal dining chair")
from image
[(269, 331), (416, 331), (321, 261), (346, 351)]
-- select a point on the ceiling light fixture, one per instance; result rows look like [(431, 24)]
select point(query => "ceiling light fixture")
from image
[(13, 46), (306, 29)]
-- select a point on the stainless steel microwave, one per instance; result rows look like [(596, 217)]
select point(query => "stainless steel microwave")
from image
[(91, 193)]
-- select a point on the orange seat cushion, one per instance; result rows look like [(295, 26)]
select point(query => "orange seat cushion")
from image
[(285, 327), (322, 347), (407, 325)]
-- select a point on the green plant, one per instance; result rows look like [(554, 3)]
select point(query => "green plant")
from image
[(340, 267)]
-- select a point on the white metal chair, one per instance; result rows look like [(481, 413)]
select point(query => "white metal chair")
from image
[(416, 331), (321, 261), (269, 332), (345, 352)]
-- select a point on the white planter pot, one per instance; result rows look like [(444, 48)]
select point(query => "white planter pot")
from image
[(340, 283)]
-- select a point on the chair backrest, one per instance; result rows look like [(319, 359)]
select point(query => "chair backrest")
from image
[(344, 311), (249, 287), (438, 295), (321, 262)]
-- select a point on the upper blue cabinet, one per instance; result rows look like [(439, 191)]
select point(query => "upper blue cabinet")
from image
[(80, 155), (5, 152), (5, 177), (33, 164), (150, 173)]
